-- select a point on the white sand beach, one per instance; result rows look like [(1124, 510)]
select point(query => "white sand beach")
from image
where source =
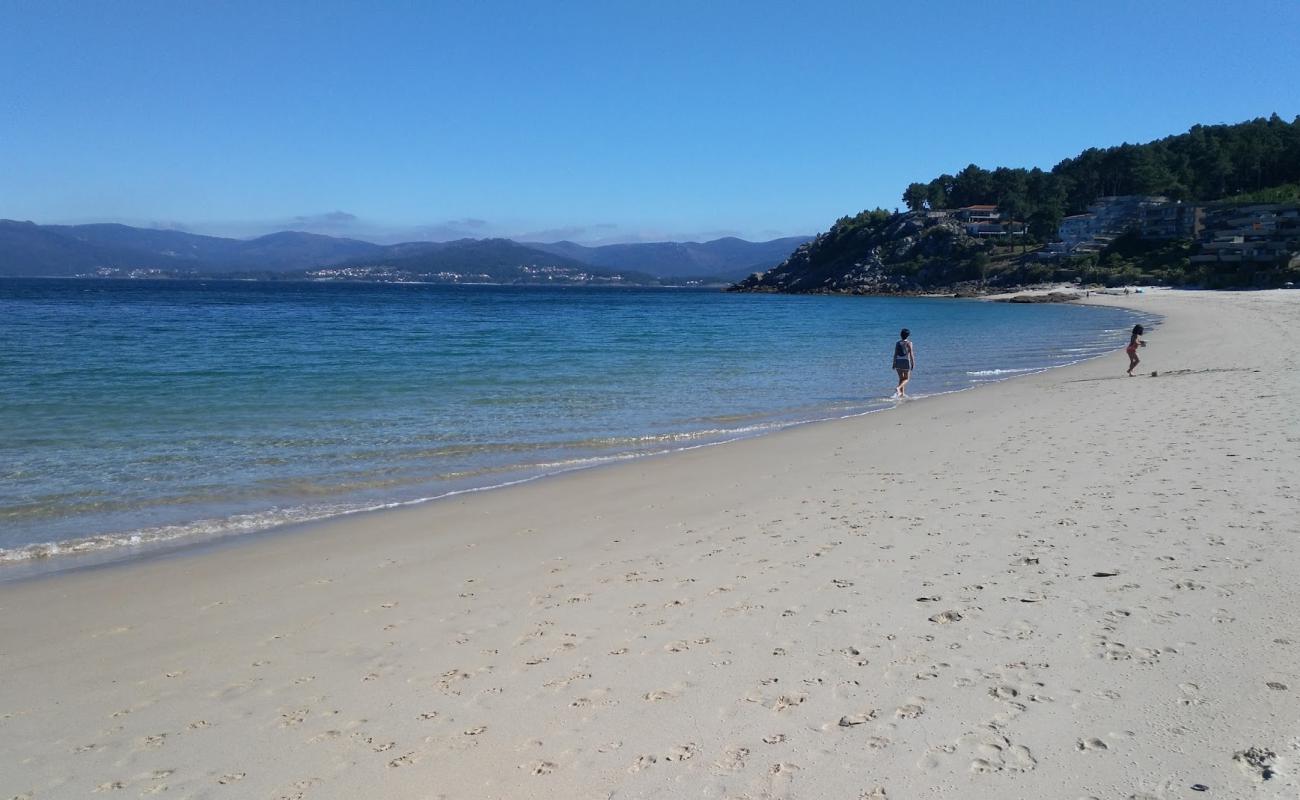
[(1068, 585)]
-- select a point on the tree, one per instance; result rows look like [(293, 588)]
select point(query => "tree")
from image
[(940, 189), (1011, 192), (1044, 223), (916, 196), (971, 186)]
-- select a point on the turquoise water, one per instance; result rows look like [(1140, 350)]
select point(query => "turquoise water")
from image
[(140, 413)]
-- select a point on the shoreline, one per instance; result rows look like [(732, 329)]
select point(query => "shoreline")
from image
[(1073, 584), (45, 566)]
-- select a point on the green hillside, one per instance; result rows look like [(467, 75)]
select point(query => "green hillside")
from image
[(923, 249)]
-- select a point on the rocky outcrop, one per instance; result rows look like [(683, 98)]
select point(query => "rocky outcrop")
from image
[(877, 253), (1048, 297)]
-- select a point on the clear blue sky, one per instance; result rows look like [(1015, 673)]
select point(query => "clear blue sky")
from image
[(591, 121)]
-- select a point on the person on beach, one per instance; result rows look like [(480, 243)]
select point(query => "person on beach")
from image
[(904, 361), (1134, 342)]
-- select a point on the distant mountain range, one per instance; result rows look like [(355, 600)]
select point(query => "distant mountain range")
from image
[(29, 249), (720, 257)]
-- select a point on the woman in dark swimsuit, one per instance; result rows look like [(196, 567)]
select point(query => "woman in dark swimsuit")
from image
[(1134, 342), (904, 361)]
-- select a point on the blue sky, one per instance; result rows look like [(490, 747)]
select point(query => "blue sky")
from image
[(595, 121)]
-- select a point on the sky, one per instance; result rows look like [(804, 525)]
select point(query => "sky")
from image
[(591, 121)]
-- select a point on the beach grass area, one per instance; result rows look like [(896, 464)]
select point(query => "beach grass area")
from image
[(1071, 584)]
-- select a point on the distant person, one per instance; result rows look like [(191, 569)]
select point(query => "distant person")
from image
[(904, 361), (1134, 342)]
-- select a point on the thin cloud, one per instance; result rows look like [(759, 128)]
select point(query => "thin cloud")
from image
[(167, 225), (570, 233), (328, 219)]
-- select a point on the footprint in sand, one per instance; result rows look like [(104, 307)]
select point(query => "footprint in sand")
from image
[(110, 786), (733, 759), (860, 718), (909, 711), (298, 789), (1092, 744), (786, 702), (1004, 692), (660, 694), (995, 753), (642, 762), (682, 752), (1256, 762)]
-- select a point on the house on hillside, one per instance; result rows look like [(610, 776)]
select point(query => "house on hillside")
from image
[(978, 214), (1105, 220), (1171, 221), (1264, 233), (984, 221)]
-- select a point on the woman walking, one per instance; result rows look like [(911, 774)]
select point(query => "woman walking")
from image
[(1134, 342), (904, 362)]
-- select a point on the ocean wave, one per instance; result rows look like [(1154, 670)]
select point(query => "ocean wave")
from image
[(984, 372), (162, 534)]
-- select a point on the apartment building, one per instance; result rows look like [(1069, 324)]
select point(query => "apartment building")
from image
[(1267, 233)]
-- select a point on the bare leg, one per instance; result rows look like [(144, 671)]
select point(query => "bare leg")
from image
[(1133, 361), (904, 375)]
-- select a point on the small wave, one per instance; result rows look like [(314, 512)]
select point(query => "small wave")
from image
[(199, 529), (984, 372)]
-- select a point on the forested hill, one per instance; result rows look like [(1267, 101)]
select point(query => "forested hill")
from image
[(1209, 162), (930, 248)]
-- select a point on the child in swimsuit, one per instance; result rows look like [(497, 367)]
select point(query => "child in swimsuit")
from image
[(1134, 342)]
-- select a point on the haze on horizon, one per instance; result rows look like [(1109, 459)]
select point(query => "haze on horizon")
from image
[(593, 122)]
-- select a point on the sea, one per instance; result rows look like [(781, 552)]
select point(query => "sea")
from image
[(137, 416)]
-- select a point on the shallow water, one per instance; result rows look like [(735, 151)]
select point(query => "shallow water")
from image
[(142, 412)]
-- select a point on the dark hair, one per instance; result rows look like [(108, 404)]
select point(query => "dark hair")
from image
[(1137, 330), (904, 333)]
